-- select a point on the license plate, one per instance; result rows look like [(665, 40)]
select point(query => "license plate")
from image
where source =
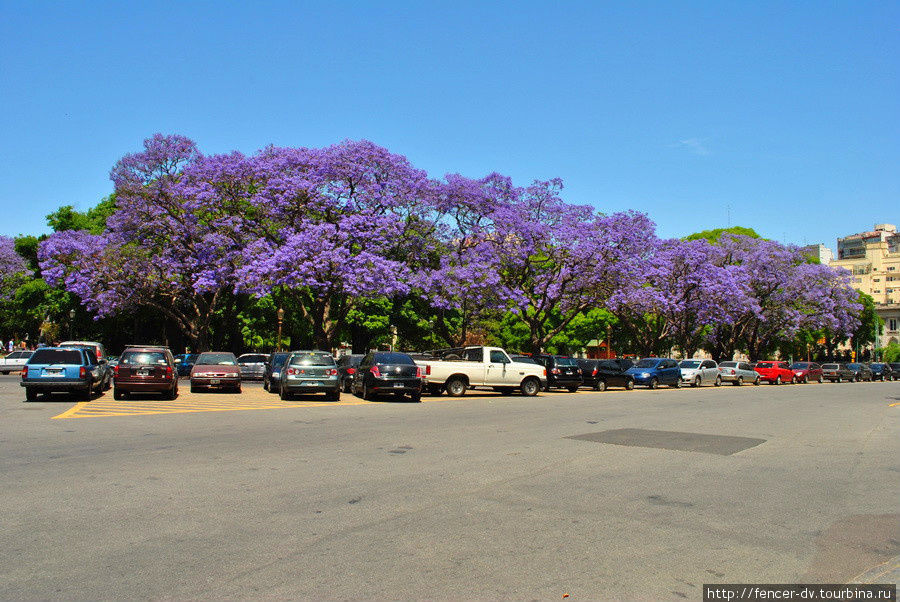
[(398, 384), (53, 372), (214, 381), (315, 383)]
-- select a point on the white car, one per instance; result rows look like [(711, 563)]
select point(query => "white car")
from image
[(14, 361), (698, 372), (738, 373), (457, 370)]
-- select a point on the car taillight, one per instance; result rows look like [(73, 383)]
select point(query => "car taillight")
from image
[(554, 371), (24, 371), (99, 355), (418, 372), (427, 369), (732, 371), (330, 372), (293, 371), (351, 370), (116, 371), (594, 373), (168, 371), (545, 372), (375, 371), (82, 373)]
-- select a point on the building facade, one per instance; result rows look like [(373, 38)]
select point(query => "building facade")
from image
[(820, 252), (874, 260)]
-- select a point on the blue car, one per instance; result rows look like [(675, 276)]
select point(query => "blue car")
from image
[(184, 362), (62, 369), (654, 371)]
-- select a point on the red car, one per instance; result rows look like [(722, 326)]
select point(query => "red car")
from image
[(807, 371), (775, 372)]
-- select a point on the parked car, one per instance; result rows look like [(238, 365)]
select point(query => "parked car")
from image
[(837, 373), (310, 372), (100, 352), (388, 372), (698, 372), (602, 374), (737, 373), (459, 369), (654, 371), (14, 361), (524, 358), (272, 375), (252, 365), (347, 366), (216, 370), (149, 369), (807, 371), (185, 361), (862, 372), (895, 368), (775, 373), (562, 372), (73, 370), (882, 372)]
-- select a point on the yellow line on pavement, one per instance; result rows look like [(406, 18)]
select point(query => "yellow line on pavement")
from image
[(891, 405)]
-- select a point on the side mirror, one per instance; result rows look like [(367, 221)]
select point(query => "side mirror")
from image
[(177, 360)]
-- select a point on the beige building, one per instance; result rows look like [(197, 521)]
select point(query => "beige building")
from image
[(874, 260)]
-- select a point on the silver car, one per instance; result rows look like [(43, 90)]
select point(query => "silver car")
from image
[(697, 372), (738, 373), (252, 365)]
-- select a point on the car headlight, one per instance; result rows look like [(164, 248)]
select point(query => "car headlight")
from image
[(644, 374)]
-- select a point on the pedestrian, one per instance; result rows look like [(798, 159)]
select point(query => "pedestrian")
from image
[(10, 346)]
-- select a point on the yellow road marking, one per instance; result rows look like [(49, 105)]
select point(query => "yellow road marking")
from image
[(891, 405)]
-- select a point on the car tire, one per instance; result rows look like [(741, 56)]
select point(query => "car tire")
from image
[(456, 387), (821, 380), (756, 382), (416, 397), (573, 389), (696, 382), (30, 393), (530, 387), (600, 386), (365, 393), (676, 384), (718, 382), (86, 394), (117, 394), (265, 385), (108, 385), (739, 381), (654, 383), (629, 384), (333, 395), (346, 386), (284, 395), (838, 379), (435, 390)]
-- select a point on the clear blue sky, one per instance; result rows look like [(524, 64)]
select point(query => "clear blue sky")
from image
[(787, 112)]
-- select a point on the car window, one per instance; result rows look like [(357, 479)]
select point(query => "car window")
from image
[(498, 357), (400, 359), (566, 361), (730, 365), (252, 359), (143, 358), (474, 355), (829, 366), (609, 365), (57, 356), (646, 363), (764, 365), (216, 359), (689, 364), (312, 359)]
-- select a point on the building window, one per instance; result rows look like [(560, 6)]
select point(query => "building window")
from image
[(892, 324), (876, 279), (891, 268)]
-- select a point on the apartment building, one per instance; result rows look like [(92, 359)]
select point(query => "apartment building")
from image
[(874, 260)]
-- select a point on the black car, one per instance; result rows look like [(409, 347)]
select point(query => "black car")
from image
[(272, 375), (882, 372), (562, 372), (837, 373), (347, 366), (862, 371), (184, 363), (387, 372), (601, 374), (895, 368), (527, 359)]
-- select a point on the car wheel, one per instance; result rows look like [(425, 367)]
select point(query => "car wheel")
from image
[(777, 380), (718, 382), (629, 384), (456, 387), (333, 395), (573, 389), (346, 386), (86, 394), (739, 381), (756, 382), (530, 387), (117, 394), (365, 393), (435, 390), (284, 395), (265, 385), (237, 389), (839, 379), (676, 384), (30, 393), (600, 386), (416, 397), (820, 380), (654, 383)]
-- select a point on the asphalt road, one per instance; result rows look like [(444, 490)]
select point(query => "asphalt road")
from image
[(658, 493)]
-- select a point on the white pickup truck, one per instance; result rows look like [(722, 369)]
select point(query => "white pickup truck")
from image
[(14, 361), (457, 370)]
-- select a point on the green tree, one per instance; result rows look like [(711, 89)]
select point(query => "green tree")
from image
[(714, 235), (93, 220)]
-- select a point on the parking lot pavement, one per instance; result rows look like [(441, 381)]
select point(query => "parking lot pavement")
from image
[(616, 495)]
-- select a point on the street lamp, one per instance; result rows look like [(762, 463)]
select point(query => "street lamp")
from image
[(280, 321), (71, 322)]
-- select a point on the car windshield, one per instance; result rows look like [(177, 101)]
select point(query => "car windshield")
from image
[(799, 366), (393, 358), (765, 365), (143, 358), (312, 359), (216, 359), (256, 358), (646, 364), (565, 361), (56, 356), (829, 366), (689, 364), (728, 364), (854, 366), (879, 366)]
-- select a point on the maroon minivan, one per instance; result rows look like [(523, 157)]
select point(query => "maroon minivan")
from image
[(149, 369)]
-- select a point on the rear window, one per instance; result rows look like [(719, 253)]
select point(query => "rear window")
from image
[(829, 366), (256, 358), (278, 360), (393, 358), (566, 361), (312, 359), (765, 365), (216, 359), (143, 358), (56, 356)]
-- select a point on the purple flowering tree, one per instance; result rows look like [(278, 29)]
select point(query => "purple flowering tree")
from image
[(13, 269), (169, 245)]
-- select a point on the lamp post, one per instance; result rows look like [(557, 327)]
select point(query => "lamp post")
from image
[(608, 332), (280, 315), (71, 323)]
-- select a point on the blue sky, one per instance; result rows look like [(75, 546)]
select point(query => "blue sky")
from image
[(782, 116)]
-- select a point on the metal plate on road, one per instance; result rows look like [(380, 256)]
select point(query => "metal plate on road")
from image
[(722, 445)]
